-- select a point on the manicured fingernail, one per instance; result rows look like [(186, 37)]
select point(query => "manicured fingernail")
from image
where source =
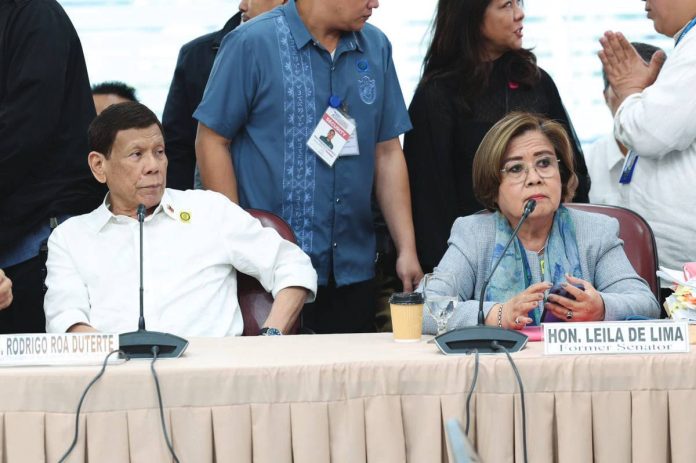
[(563, 285)]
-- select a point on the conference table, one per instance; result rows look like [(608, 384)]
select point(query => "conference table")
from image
[(353, 398)]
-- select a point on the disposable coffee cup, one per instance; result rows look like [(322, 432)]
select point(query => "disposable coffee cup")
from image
[(407, 316)]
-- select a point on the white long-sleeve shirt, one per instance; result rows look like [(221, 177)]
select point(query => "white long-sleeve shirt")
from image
[(194, 243), (660, 125), (604, 161)]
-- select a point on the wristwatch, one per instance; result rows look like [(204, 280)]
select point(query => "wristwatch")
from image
[(270, 332)]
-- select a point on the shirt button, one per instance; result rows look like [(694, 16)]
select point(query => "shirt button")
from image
[(335, 245), (338, 200)]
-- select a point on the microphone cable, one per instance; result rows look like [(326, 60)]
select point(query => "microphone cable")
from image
[(155, 351), (471, 391), (82, 398), (498, 346)]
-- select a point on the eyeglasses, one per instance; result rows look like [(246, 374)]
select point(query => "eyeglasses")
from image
[(517, 171)]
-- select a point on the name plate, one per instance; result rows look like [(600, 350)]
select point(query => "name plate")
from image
[(629, 337), (56, 349)]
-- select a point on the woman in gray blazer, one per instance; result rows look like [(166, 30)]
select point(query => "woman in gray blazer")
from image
[(525, 157)]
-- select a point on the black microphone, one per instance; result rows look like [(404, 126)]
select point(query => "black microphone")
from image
[(486, 339), (141, 343)]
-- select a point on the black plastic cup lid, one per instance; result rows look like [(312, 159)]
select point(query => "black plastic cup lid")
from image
[(406, 298)]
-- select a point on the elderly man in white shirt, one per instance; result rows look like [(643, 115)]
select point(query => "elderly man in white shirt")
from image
[(657, 119), (605, 157), (194, 243)]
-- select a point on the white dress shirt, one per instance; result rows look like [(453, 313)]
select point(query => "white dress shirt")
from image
[(659, 124), (604, 163), (193, 242)]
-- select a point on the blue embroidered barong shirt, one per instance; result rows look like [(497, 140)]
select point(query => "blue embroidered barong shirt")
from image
[(269, 86)]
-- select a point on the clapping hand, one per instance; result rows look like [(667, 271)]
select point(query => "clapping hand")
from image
[(625, 69)]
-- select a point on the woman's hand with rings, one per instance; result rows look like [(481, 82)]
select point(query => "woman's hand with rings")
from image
[(588, 305), (516, 309)]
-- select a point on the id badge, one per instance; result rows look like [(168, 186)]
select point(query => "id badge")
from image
[(352, 148), (628, 167), (331, 135)]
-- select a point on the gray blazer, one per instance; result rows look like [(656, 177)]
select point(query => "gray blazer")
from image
[(602, 260)]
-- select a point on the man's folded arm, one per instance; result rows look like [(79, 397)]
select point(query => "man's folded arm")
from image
[(82, 328), (67, 302), (281, 267), (286, 308)]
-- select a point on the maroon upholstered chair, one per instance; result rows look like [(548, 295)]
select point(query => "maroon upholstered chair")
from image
[(638, 238), (254, 301)]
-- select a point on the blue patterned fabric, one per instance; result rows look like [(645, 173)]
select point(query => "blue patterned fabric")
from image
[(514, 274), (269, 86), (299, 109)]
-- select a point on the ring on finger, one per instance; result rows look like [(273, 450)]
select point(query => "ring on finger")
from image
[(569, 315), (517, 320)]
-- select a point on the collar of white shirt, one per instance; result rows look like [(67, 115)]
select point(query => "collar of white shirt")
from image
[(103, 214), (614, 155)]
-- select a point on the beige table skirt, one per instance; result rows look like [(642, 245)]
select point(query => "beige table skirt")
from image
[(353, 398)]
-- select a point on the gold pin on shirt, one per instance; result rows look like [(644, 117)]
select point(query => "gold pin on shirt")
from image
[(185, 216)]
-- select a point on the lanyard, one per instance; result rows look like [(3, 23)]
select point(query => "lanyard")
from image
[(686, 30), (628, 167)]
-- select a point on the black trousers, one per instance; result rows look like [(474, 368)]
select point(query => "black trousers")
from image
[(347, 309), (26, 313), (664, 294)]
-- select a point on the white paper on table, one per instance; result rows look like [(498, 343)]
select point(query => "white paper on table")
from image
[(675, 276)]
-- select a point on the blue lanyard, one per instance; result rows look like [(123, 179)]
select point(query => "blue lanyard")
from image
[(686, 29)]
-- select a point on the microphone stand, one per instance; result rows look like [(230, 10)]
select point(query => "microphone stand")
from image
[(141, 222), (142, 343), (482, 338)]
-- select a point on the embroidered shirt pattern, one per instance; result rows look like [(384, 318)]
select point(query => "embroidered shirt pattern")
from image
[(300, 110)]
